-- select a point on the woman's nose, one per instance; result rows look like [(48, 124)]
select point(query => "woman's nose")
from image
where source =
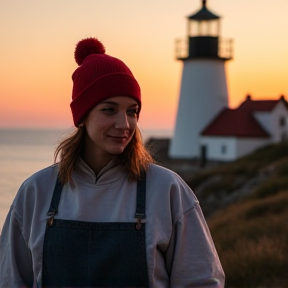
[(121, 121)]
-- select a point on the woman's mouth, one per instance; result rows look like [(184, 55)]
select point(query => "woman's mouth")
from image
[(118, 139)]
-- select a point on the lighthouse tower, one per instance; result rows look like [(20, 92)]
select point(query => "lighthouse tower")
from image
[(203, 90)]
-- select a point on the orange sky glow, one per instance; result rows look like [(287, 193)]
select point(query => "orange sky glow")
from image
[(38, 40)]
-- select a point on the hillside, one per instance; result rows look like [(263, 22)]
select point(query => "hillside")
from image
[(246, 206)]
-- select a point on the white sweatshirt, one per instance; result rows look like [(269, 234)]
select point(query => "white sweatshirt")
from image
[(180, 250)]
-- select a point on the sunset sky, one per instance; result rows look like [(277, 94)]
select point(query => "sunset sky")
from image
[(38, 38)]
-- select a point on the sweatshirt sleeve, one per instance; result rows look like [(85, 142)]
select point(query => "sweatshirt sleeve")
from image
[(191, 253), (15, 256)]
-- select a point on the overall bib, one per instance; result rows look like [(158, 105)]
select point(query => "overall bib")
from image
[(95, 254)]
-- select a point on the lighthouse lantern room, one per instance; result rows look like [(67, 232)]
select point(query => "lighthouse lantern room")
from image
[(203, 91)]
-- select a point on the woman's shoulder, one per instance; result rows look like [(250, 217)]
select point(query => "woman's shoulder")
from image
[(166, 179), (43, 176), (158, 172), (35, 191), (38, 183), (165, 186)]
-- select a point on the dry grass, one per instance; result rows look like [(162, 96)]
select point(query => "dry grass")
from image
[(252, 241), (251, 235), (257, 175), (245, 167)]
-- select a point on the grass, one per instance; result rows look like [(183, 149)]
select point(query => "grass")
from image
[(250, 235), (247, 166), (252, 241), (225, 179)]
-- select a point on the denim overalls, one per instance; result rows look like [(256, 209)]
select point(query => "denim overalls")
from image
[(95, 254)]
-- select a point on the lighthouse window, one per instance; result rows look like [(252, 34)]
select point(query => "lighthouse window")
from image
[(207, 28), (223, 149)]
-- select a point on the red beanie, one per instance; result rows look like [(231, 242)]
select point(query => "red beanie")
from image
[(98, 77)]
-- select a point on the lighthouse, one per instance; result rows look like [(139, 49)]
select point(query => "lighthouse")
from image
[(203, 91)]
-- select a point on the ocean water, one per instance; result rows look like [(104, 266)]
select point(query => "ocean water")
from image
[(23, 152)]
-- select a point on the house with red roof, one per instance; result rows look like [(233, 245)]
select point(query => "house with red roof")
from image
[(236, 132)]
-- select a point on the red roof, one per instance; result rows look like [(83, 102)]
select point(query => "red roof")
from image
[(235, 122), (260, 105), (240, 122)]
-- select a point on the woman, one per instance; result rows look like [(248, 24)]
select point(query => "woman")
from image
[(105, 215)]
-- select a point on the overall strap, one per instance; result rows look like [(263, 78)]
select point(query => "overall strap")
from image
[(53, 210), (141, 201)]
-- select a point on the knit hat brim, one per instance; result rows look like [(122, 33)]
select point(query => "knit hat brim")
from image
[(111, 85)]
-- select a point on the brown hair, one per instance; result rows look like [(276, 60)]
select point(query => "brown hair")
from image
[(135, 158)]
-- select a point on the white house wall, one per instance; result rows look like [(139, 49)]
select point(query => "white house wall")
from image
[(215, 146), (278, 131), (203, 94), (270, 121), (230, 148), (265, 120)]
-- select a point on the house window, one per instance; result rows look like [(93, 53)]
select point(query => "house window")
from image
[(223, 149), (282, 121)]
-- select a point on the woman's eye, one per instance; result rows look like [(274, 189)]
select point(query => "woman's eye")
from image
[(132, 112), (108, 110)]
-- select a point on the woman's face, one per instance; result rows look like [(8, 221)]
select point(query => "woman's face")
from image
[(110, 126)]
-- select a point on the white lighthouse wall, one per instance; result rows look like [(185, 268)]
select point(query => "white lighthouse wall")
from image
[(230, 148), (203, 94)]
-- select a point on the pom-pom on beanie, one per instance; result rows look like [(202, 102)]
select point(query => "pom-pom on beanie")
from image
[(98, 77)]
